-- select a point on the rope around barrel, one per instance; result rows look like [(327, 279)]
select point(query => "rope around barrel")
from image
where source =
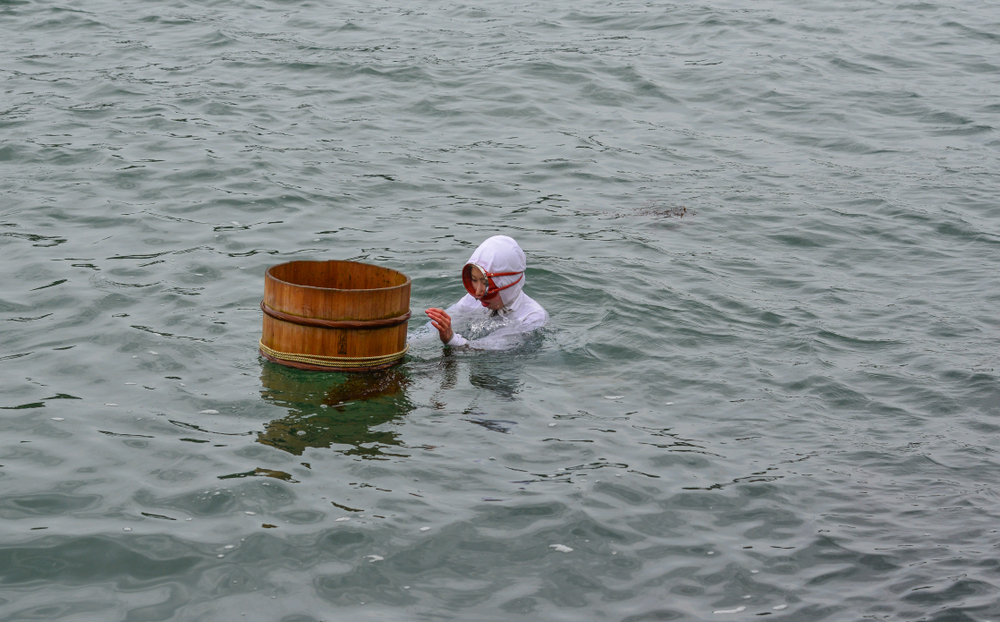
[(335, 361)]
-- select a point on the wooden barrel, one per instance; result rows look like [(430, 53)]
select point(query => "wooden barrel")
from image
[(334, 315)]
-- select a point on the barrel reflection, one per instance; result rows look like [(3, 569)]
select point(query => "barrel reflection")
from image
[(334, 410)]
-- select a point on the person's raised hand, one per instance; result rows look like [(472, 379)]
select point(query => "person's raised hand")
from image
[(442, 322)]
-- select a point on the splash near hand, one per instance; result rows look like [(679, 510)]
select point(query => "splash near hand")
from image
[(442, 322)]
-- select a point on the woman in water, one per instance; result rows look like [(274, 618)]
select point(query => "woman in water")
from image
[(494, 278)]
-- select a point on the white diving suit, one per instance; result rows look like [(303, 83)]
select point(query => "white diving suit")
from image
[(503, 262)]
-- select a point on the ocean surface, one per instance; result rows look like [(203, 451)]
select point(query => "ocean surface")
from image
[(767, 233)]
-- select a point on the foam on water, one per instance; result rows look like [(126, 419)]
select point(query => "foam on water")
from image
[(481, 324)]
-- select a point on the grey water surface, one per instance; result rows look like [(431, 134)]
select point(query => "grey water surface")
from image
[(767, 233)]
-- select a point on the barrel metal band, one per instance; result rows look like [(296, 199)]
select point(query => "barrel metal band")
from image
[(335, 361), (320, 323)]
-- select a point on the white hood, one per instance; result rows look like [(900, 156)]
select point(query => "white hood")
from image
[(502, 254)]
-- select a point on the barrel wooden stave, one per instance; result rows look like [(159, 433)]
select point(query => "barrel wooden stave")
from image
[(333, 341), (324, 292), (348, 305)]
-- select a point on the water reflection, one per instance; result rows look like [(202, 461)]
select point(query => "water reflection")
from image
[(499, 373), (329, 409), (504, 384), (326, 410)]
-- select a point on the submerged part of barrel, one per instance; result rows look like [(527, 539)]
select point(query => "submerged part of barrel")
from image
[(334, 315)]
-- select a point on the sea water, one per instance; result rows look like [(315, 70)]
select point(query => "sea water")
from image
[(767, 234)]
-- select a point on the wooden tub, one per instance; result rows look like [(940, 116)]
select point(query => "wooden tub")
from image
[(334, 315)]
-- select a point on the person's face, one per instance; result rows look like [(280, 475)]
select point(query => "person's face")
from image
[(480, 284)]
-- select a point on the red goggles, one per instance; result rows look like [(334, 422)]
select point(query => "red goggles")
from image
[(491, 288)]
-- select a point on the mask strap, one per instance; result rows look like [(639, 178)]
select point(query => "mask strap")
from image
[(493, 289)]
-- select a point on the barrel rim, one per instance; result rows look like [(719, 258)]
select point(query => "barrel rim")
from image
[(267, 274)]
